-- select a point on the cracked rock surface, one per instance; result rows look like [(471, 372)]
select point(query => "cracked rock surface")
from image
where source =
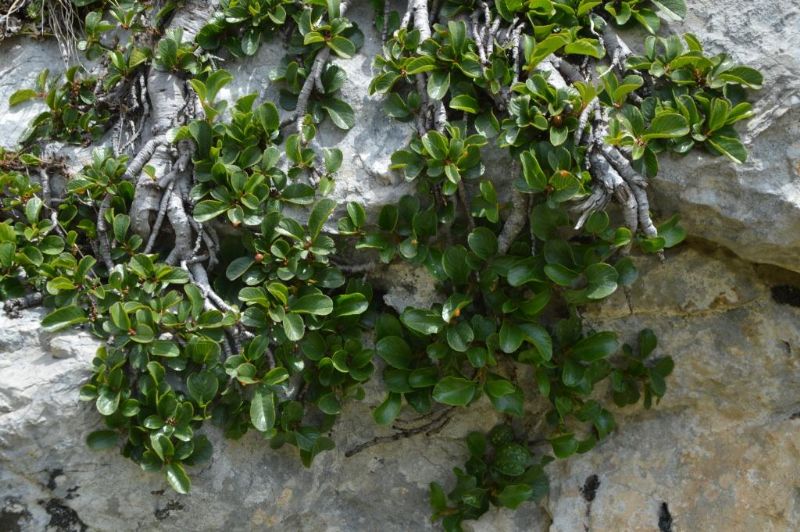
[(752, 209), (720, 453)]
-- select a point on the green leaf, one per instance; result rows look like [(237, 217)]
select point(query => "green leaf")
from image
[(317, 304), (466, 103), (532, 172), (250, 41), (238, 267), (59, 284), (262, 410), (209, 209), (388, 410), (332, 158), (564, 446), (436, 145), (395, 351), (499, 387), (717, 117), (511, 337), (455, 391), (165, 348), (453, 306), (483, 243), (455, 265), (121, 224), (276, 376), (418, 65), (749, 77), (423, 321), (32, 209), (558, 135), (671, 9), (202, 387), (460, 336), (329, 404), (514, 494), (730, 147), (21, 96), (177, 478), (350, 305), (343, 46), (667, 125), (107, 401), (340, 112), (63, 317), (144, 334), (357, 214), (647, 342), (119, 317), (294, 327), (102, 439), (268, 116), (524, 271), (423, 377), (438, 83), (319, 215), (672, 233), (438, 499), (602, 280), (539, 337), (596, 347), (590, 47), (604, 423)]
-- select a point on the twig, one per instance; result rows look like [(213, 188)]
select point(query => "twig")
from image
[(102, 232), (463, 197), (314, 77), (162, 210), (143, 157), (515, 221), (13, 306), (429, 428)]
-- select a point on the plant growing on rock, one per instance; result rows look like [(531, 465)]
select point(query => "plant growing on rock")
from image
[(203, 244)]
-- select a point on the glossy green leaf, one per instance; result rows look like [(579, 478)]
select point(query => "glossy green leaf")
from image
[(262, 410), (177, 478), (395, 351), (455, 391), (102, 439), (388, 410), (596, 347)]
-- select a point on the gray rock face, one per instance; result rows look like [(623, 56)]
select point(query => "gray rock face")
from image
[(754, 208), (21, 60), (47, 473), (368, 146), (720, 453), (721, 449)]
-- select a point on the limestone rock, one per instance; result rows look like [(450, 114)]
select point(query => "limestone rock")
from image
[(368, 146), (722, 450), (22, 60), (49, 476), (754, 208)]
